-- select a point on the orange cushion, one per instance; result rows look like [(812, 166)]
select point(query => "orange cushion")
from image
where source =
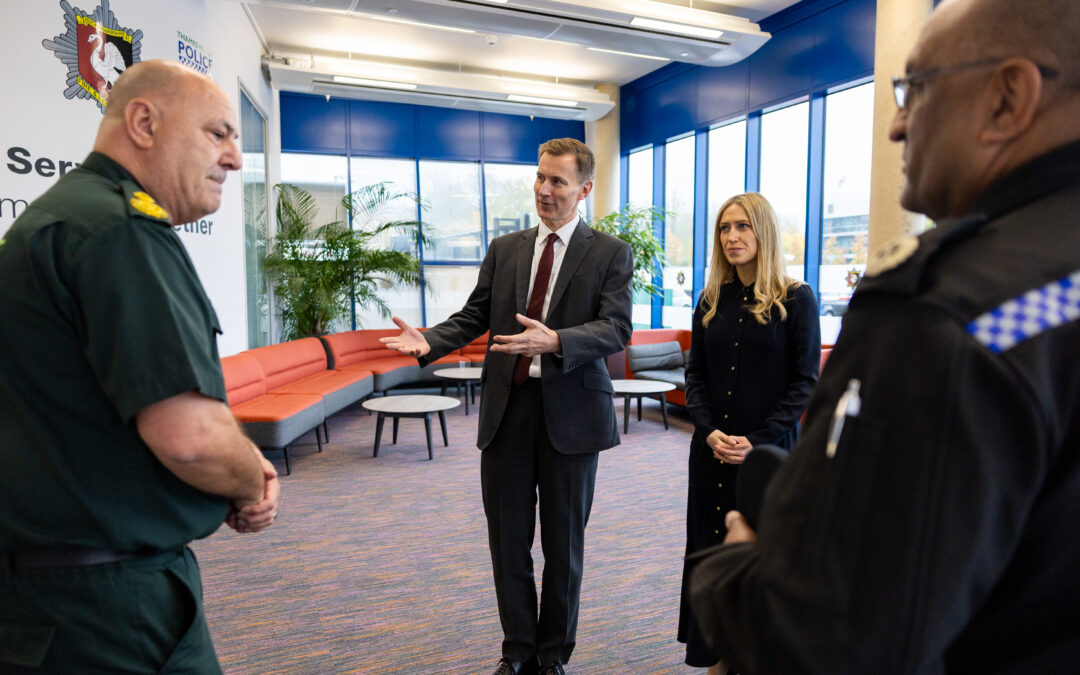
[(274, 407), (244, 378), (360, 346), (324, 383), (290, 361)]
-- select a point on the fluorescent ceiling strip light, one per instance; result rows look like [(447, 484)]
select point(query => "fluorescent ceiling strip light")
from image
[(681, 28), (616, 51), (420, 24), (562, 103), (381, 84)]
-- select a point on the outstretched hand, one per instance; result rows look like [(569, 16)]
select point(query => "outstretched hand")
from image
[(738, 530), (409, 342), (535, 339)]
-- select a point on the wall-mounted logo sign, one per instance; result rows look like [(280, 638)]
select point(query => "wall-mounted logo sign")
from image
[(96, 49), (194, 55)]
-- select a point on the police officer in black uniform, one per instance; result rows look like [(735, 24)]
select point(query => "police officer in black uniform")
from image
[(116, 443), (924, 524)]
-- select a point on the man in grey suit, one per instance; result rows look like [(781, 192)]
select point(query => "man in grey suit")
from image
[(556, 299)]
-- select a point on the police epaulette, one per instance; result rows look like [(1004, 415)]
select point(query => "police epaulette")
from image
[(899, 267), (141, 204)]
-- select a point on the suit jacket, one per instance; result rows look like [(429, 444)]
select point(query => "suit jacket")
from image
[(589, 309)]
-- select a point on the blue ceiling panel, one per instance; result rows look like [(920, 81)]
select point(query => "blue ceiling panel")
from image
[(844, 47), (722, 93), (378, 128), (447, 134), (783, 68), (312, 124)]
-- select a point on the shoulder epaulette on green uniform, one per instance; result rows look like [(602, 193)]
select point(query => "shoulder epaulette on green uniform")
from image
[(141, 204)]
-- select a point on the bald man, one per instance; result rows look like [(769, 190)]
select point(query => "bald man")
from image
[(117, 446), (924, 523)]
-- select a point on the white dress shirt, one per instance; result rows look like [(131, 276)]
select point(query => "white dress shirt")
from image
[(563, 235)]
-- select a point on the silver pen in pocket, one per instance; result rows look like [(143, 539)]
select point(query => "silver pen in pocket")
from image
[(848, 406)]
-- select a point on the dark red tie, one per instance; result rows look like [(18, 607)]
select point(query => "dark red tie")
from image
[(536, 302)]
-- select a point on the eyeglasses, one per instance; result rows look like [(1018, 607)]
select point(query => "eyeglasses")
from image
[(901, 85)]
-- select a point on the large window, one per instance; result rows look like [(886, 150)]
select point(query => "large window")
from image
[(784, 151), (679, 233), (452, 189), (727, 174), (846, 201), (639, 178), (404, 301), (508, 195), (256, 222), (446, 289)]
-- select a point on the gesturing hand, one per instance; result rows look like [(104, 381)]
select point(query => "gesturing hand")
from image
[(409, 342), (535, 339)]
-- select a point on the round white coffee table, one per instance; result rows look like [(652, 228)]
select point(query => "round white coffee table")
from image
[(637, 389), (410, 405), (470, 375)]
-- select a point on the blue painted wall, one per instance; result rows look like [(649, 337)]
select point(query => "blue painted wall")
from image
[(815, 44), (311, 124)]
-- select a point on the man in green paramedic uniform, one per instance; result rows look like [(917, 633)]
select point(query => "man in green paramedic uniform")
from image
[(117, 446)]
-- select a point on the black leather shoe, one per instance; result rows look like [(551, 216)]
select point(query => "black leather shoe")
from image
[(508, 667), (552, 669)]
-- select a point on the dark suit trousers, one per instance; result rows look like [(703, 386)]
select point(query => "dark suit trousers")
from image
[(519, 464)]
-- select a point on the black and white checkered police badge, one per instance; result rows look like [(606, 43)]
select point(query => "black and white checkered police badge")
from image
[(1034, 312)]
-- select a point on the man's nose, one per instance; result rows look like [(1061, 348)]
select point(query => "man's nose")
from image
[(898, 126), (232, 159)]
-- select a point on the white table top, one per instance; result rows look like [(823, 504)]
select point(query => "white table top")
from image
[(466, 373), (410, 403), (641, 386)]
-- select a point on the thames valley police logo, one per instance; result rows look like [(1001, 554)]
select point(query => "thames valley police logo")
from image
[(96, 49)]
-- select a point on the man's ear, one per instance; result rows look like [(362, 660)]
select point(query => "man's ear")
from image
[(140, 121), (586, 188), (1015, 90)]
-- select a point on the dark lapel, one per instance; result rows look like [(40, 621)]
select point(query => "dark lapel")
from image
[(575, 252), (524, 268)]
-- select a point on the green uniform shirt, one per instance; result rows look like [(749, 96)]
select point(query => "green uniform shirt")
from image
[(101, 315)]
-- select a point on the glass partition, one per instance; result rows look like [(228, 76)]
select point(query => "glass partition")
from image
[(678, 233), (452, 189), (727, 174), (639, 177), (508, 194), (256, 221), (846, 201), (404, 301), (784, 151)]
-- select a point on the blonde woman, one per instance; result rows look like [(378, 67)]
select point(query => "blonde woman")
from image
[(753, 360)]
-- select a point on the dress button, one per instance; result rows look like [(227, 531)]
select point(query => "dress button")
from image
[(717, 508), (740, 320), (736, 344), (733, 367), (725, 416), (716, 531), (719, 485), (729, 393)]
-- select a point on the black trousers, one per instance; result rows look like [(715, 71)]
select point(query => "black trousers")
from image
[(518, 466)]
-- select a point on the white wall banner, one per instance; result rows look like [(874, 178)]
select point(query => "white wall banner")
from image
[(70, 53)]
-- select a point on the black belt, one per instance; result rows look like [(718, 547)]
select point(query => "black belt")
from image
[(72, 556)]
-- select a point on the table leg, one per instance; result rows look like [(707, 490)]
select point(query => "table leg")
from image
[(626, 415), (427, 430), (468, 390), (639, 407), (442, 392), (663, 408), (442, 423), (378, 432), (395, 429)]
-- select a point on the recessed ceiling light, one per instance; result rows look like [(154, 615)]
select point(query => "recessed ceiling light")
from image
[(421, 25), (616, 51), (382, 84), (681, 28), (562, 103)]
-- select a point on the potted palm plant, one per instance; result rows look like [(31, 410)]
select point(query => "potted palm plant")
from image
[(636, 227), (318, 270)]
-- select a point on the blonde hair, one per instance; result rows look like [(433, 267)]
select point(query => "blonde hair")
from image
[(771, 284)]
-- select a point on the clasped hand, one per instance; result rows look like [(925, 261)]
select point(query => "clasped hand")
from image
[(728, 448), (245, 516)]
